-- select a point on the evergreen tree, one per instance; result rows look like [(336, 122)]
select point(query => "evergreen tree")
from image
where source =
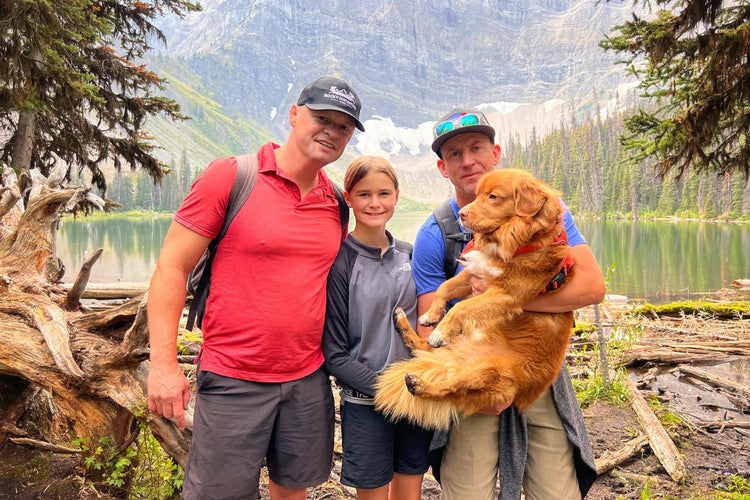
[(71, 90), (695, 70)]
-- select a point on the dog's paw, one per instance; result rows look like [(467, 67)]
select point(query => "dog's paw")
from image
[(436, 338), (400, 320), (412, 383), (430, 318)]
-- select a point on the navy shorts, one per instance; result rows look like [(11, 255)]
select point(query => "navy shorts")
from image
[(238, 423), (375, 448)]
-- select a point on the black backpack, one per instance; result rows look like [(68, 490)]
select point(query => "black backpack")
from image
[(453, 238), (199, 280)]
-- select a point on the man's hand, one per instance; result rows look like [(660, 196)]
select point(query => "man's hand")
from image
[(168, 393), (495, 409)]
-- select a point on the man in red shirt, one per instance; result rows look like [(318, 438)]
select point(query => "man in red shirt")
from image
[(261, 391)]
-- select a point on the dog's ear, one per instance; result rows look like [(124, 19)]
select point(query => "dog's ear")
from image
[(529, 196)]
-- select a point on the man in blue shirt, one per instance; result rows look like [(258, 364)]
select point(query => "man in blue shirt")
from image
[(546, 449)]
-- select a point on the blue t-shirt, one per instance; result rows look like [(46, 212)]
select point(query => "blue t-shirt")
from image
[(429, 249)]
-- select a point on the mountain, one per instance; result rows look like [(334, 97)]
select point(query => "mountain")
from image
[(239, 65)]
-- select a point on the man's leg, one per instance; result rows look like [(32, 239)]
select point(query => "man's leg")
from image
[(301, 451), (550, 470), (231, 430), (469, 466)]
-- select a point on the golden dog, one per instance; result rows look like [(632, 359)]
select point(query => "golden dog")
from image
[(503, 353)]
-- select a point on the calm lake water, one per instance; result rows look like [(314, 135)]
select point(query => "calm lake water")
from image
[(659, 261)]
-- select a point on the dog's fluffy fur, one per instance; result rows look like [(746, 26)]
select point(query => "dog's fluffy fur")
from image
[(494, 350)]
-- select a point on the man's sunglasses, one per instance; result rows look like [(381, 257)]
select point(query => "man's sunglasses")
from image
[(456, 121)]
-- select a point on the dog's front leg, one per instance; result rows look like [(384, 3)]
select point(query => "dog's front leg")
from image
[(412, 340), (457, 287)]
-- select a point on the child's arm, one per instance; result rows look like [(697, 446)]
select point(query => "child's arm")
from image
[(336, 345)]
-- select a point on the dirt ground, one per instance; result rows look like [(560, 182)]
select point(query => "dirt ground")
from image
[(28, 474), (711, 457)]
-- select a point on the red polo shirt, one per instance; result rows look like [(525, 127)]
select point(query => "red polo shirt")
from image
[(265, 313)]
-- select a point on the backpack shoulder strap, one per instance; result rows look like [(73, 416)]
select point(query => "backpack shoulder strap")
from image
[(343, 208), (453, 238), (247, 174), (244, 181)]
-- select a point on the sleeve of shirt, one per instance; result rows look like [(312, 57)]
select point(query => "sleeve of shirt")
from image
[(574, 236), (427, 260), (204, 208), (336, 349)]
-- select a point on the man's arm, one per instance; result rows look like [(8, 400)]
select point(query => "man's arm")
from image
[(423, 304), (585, 287), (168, 389)]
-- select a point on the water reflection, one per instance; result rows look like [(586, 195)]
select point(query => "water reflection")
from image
[(131, 247), (664, 261), (660, 261)]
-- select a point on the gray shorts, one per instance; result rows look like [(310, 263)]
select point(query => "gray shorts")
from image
[(238, 423)]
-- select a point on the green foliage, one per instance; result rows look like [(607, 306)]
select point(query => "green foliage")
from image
[(691, 58), (157, 476), (672, 421), (590, 384), (732, 485), (589, 165), (104, 465), (71, 89), (142, 471)]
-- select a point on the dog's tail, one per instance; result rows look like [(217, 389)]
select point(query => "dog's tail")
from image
[(393, 398)]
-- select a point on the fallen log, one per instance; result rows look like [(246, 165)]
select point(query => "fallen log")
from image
[(660, 442), (742, 284), (633, 478), (108, 291), (733, 386), (611, 459)]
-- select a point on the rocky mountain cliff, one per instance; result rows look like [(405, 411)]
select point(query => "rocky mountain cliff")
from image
[(409, 61)]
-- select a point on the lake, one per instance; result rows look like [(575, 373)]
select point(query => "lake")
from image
[(659, 261)]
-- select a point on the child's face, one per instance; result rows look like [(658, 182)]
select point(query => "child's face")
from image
[(373, 199)]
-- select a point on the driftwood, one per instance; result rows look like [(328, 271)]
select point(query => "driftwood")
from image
[(107, 291), (80, 374), (73, 297), (611, 459), (633, 478), (732, 386), (682, 352), (43, 445), (660, 442)]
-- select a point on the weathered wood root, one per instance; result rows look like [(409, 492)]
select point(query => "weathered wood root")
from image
[(72, 300), (44, 445)]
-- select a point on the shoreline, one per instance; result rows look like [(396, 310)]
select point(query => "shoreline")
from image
[(130, 214)]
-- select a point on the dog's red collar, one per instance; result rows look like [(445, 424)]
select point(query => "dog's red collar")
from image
[(565, 266), (560, 239)]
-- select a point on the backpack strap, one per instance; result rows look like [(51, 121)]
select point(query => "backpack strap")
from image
[(244, 181), (343, 209), (454, 238)]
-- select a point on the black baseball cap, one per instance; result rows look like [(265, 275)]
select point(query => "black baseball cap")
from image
[(331, 93), (460, 121)]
